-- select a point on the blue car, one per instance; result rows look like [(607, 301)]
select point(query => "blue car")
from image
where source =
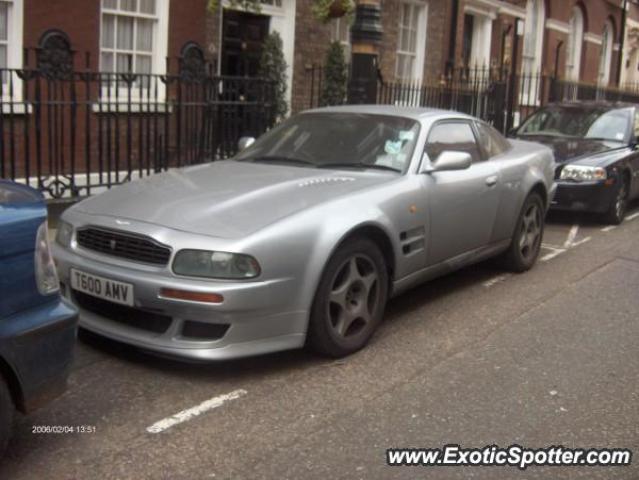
[(37, 327)]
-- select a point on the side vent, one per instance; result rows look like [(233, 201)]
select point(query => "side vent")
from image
[(412, 241)]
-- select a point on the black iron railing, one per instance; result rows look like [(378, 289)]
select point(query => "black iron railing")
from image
[(70, 131), (496, 95)]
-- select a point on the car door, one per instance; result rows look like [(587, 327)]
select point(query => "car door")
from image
[(463, 203)]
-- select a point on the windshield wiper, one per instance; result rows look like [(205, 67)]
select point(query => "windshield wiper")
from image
[(358, 165), (278, 158)]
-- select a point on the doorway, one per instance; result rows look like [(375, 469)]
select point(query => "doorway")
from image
[(243, 36)]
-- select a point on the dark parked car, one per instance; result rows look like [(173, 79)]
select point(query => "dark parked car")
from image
[(596, 150), (37, 327)]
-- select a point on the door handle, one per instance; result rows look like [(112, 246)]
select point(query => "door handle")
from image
[(492, 180)]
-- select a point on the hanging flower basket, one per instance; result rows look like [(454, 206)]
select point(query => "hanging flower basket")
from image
[(326, 10)]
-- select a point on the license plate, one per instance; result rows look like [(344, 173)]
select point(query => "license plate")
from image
[(100, 287)]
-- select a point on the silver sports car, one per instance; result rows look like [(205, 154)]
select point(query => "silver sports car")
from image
[(303, 236)]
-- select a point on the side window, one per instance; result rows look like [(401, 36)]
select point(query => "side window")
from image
[(456, 136), (491, 141), (636, 131)]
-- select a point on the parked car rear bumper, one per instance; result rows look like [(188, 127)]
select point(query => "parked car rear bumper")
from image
[(38, 345), (593, 197)]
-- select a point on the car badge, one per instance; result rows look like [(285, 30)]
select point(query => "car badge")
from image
[(113, 244), (122, 222)]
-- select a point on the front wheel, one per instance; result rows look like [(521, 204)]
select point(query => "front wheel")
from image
[(6, 415), (350, 300), (526, 241), (617, 210)]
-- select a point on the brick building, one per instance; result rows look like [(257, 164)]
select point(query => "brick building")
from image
[(580, 39), (575, 39), (146, 30)]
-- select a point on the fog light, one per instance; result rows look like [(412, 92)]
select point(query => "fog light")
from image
[(189, 296)]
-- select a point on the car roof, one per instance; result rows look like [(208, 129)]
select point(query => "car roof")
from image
[(589, 104), (416, 113)]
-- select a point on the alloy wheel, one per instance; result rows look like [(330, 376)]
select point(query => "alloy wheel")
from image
[(530, 235), (620, 202), (354, 296)]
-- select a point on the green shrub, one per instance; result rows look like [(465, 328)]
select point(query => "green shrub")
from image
[(273, 68), (335, 76)]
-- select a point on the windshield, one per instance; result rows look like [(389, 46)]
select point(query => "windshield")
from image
[(581, 122), (338, 140)]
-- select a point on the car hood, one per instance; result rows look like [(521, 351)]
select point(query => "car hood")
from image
[(569, 149), (227, 199)]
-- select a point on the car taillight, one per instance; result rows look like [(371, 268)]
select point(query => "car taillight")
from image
[(45, 272)]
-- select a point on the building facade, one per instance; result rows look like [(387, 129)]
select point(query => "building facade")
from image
[(575, 39)]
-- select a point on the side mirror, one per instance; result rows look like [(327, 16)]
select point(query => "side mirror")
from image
[(245, 142), (451, 160)]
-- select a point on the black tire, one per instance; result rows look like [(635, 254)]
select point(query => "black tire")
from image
[(350, 299), (526, 241), (6, 415), (617, 210)]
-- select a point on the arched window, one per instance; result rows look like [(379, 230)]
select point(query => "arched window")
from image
[(605, 58), (534, 36), (575, 41)]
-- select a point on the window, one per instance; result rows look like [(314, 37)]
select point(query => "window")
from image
[(477, 39), (533, 35), (579, 121), (455, 136), (341, 32), (412, 41), (605, 58), (11, 12), (575, 41), (134, 36), (490, 141)]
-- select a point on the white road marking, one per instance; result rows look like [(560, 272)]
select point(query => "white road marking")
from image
[(571, 236), (555, 253), (186, 415), (609, 228), (581, 242), (632, 217), (550, 246), (496, 280)]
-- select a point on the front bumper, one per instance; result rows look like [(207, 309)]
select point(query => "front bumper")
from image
[(38, 345), (595, 197), (259, 316)]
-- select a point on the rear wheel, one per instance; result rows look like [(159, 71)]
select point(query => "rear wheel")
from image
[(350, 300), (617, 211), (526, 242), (6, 415)]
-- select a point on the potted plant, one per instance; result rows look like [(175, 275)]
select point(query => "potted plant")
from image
[(325, 10)]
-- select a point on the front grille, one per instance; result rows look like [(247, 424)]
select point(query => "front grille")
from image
[(124, 245), (131, 317)]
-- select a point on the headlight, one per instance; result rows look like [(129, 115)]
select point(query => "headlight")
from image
[(64, 234), (581, 173), (223, 265), (45, 273)]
